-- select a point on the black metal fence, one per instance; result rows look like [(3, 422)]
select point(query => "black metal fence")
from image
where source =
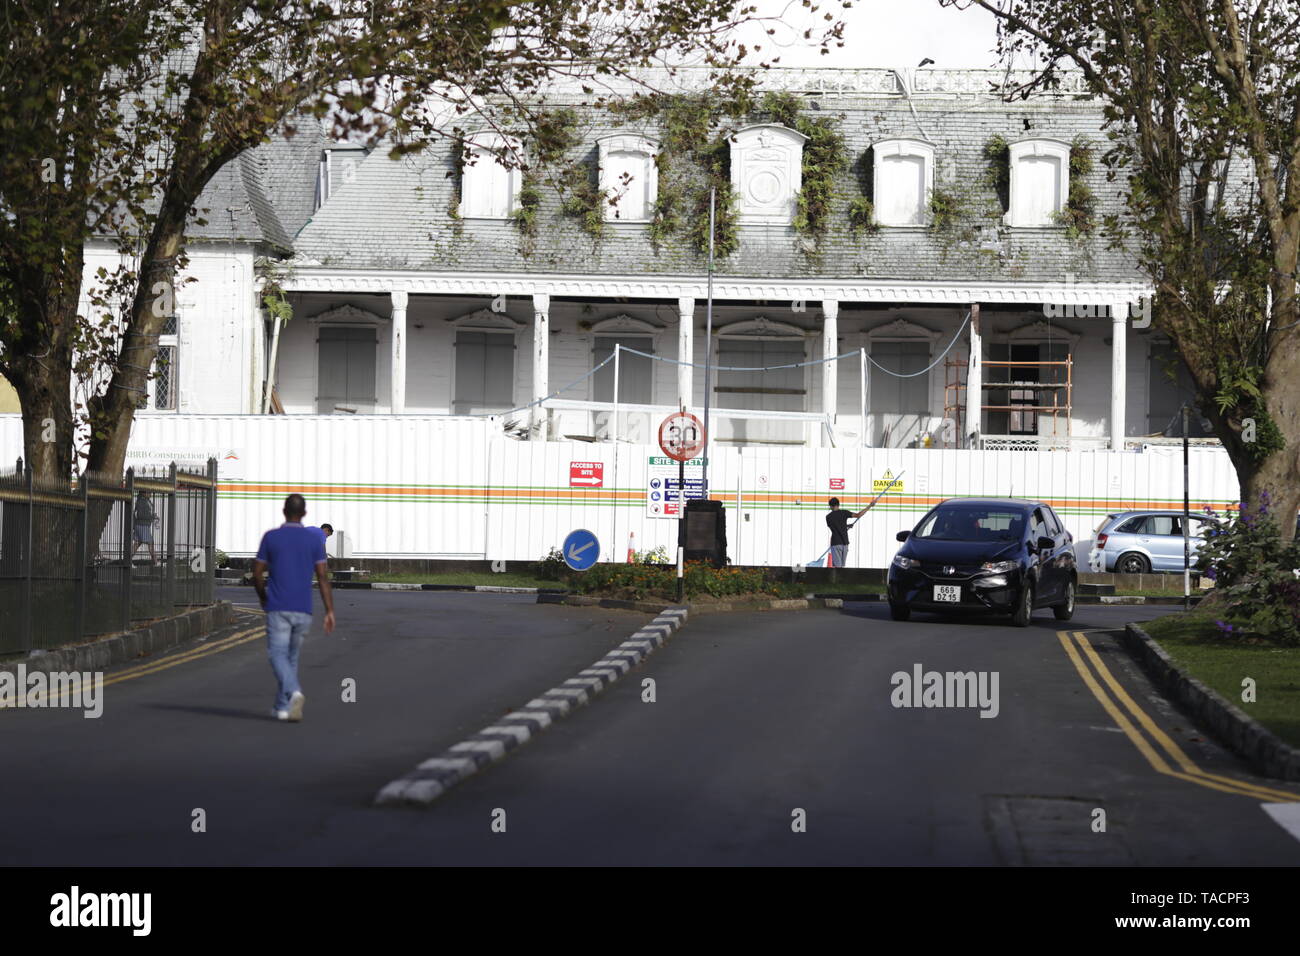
[(92, 556)]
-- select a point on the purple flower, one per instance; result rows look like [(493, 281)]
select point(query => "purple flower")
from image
[(1224, 627), (1211, 573)]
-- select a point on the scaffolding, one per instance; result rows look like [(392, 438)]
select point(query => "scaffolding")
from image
[(954, 391)]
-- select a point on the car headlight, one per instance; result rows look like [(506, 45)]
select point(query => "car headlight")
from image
[(906, 564), (998, 567)]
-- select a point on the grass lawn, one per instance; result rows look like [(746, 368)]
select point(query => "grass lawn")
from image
[(1193, 641), (507, 579)]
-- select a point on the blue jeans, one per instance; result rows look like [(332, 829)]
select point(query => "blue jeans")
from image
[(285, 631)]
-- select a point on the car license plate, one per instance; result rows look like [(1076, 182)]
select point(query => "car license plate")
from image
[(947, 592)]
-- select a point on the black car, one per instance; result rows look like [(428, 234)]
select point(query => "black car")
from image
[(1003, 555)]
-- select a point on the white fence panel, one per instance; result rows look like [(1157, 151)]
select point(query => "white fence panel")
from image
[(415, 486)]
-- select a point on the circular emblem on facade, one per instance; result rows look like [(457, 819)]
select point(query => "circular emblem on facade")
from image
[(764, 187)]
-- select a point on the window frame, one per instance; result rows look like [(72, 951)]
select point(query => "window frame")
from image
[(886, 148), (319, 327), (489, 144), (1037, 147), (627, 143)]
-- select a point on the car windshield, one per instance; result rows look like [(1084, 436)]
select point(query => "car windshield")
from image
[(971, 523)]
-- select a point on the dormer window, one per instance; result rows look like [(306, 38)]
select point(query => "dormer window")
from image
[(767, 173), (904, 179), (1040, 182), (629, 177), (489, 188)]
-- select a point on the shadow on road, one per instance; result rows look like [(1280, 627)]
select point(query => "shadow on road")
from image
[(215, 711)]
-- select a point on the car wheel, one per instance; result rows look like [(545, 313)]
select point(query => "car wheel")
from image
[(899, 612), (1065, 610), (1025, 608), (1132, 563)]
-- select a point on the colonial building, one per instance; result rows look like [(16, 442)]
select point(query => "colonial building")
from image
[(956, 266)]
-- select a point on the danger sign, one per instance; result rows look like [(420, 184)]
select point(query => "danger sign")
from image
[(586, 474), (887, 482)]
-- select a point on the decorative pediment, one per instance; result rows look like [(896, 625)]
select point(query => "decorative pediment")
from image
[(904, 329), (767, 172), (623, 323), (1039, 331), (761, 327), (347, 315), (486, 319)]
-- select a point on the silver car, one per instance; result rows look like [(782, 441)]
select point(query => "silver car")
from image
[(1135, 542)]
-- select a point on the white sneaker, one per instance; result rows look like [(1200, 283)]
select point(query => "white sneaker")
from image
[(279, 714), (295, 705)]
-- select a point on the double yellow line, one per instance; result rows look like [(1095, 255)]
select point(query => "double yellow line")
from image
[(1121, 707), (174, 660)]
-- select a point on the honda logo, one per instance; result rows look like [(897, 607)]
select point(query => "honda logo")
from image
[(950, 570)]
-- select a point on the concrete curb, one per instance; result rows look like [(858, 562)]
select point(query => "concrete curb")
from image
[(435, 776), (654, 607), (390, 586), (1239, 732), (121, 648)]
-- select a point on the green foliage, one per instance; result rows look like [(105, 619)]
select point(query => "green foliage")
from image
[(551, 567), (660, 580), (997, 154), (694, 157), (1252, 571), (657, 555), (951, 214), (862, 216), (274, 299), (525, 215), (1240, 393), (1079, 217)]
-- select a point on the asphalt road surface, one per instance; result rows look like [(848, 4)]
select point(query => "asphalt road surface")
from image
[(762, 724)]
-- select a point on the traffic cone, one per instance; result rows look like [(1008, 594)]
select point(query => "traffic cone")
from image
[(631, 545)]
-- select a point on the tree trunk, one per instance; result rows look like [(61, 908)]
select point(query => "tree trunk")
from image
[(43, 381)]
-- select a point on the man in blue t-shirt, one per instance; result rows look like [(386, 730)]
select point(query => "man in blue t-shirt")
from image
[(293, 552)]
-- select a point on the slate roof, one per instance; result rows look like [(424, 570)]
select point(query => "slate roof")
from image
[(395, 214), (267, 194)]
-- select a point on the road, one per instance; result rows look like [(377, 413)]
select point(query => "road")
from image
[(758, 719)]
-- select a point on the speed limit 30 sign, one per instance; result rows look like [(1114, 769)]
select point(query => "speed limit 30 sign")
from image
[(681, 436)]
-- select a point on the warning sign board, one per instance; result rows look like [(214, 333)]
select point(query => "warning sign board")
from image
[(884, 481), (663, 488), (586, 474)]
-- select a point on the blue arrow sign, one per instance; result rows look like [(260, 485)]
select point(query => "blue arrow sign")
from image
[(581, 549)]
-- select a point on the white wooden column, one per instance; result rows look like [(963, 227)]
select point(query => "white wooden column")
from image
[(1118, 376), (685, 350), (974, 381), (541, 360), (397, 373), (830, 370)]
